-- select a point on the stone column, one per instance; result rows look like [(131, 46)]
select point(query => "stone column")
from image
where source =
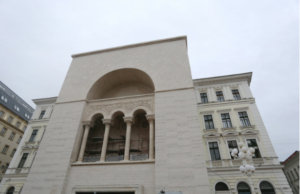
[(229, 92), (242, 94), (128, 121), (151, 136), (105, 139), (84, 139)]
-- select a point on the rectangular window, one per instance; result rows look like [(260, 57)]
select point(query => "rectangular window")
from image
[(204, 98), (12, 135), (16, 108), (9, 119), (244, 119), (231, 145), (209, 124), (1, 113), (13, 153), (19, 140), (252, 143), (214, 151), (297, 175), (42, 114), (236, 94), (220, 96), (24, 129), (18, 124), (5, 149), (23, 160), (33, 135), (3, 131), (226, 120)]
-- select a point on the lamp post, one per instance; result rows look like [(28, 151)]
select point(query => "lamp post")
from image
[(245, 154)]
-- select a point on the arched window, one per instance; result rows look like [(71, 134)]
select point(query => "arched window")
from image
[(243, 188), (266, 188), (221, 187), (10, 190)]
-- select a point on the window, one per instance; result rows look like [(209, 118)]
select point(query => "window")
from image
[(42, 114), (252, 143), (244, 119), (3, 131), (236, 94), (27, 116), (204, 98), (5, 168), (243, 188), (266, 188), (13, 153), (214, 151), (1, 113), (19, 140), (11, 190), (220, 96), (209, 124), (221, 187), (293, 175), (12, 135), (9, 119), (16, 108), (231, 145), (23, 160), (24, 129), (33, 135), (3, 98), (297, 175), (226, 120), (18, 124), (5, 149)]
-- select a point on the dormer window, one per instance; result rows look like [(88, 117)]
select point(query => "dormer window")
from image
[(16, 108)]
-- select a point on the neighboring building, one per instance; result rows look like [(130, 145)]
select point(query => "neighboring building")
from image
[(14, 116), (228, 114), (291, 170), (131, 120), (19, 167)]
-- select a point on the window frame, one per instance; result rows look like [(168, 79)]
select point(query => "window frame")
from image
[(5, 150), (4, 131), (42, 113), (24, 160), (10, 119), (233, 95), (18, 124), (241, 124), (229, 118), (212, 121), (213, 141), (13, 153), (258, 145), (33, 140), (228, 150), (222, 95), (206, 98), (12, 136), (3, 98), (19, 140), (2, 113)]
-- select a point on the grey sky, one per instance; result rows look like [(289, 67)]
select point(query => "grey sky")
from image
[(224, 37)]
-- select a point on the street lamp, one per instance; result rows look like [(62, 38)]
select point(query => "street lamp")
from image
[(245, 154)]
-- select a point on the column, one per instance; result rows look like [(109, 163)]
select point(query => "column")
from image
[(151, 136), (128, 121), (105, 139), (84, 139), (242, 94), (47, 113), (213, 95), (229, 92)]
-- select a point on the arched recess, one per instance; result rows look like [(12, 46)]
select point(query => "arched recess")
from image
[(221, 188), (266, 188), (243, 188), (121, 82), (11, 190)]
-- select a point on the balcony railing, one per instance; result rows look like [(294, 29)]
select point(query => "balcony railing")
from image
[(23, 170), (232, 162)]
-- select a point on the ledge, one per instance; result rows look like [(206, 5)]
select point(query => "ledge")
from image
[(110, 163), (247, 127), (210, 130), (229, 129)]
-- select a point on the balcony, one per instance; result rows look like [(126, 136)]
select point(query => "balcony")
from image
[(236, 163), (23, 170)]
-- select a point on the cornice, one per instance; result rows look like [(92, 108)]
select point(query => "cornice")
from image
[(42, 101), (131, 46), (12, 126), (224, 79), (226, 103)]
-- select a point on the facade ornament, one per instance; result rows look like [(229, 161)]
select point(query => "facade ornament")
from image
[(88, 123), (128, 119), (107, 121), (202, 89), (216, 88), (150, 117), (234, 86)]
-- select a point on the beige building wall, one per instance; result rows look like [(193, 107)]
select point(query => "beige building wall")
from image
[(6, 155), (15, 175)]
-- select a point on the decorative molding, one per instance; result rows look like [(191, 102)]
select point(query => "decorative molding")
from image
[(212, 135), (224, 110), (202, 89), (247, 127), (150, 117), (216, 88), (210, 130), (228, 129), (234, 86), (242, 108), (88, 123), (128, 119), (107, 121), (207, 112), (230, 134)]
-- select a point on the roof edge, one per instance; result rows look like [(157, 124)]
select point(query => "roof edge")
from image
[(131, 46), (40, 101)]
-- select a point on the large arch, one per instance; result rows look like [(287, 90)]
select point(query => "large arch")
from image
[(121, 82)]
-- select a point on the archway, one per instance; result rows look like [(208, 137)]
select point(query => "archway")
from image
[(10, 190), (221, 188), (243, 188), (266, 188), (122, 82)]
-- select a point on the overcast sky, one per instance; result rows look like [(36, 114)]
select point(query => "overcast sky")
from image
[(37, 39)]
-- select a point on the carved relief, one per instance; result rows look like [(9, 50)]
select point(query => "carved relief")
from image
[(234, 86), (218, 88), (202, 89)]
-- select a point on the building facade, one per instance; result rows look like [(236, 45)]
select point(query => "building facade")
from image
[(130, 120), (16, 174), (14, 116), (291, 170)]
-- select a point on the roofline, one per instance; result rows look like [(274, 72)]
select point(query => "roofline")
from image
[(290, 157), (247, 75), (40, 101), (131, 46)]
